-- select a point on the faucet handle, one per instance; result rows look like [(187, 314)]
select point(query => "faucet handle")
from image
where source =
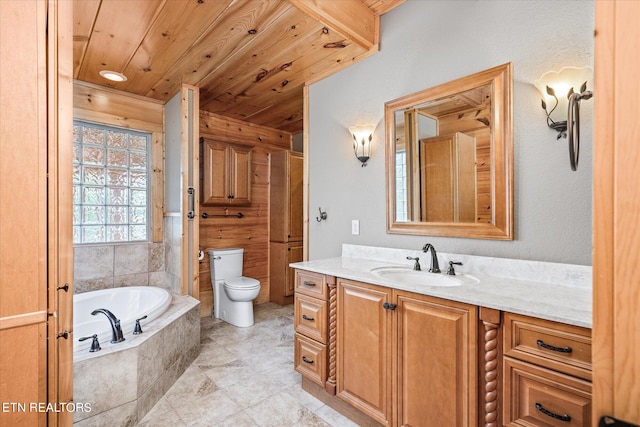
[(451, 271), (137, 329), (416, 266), (95, 344)]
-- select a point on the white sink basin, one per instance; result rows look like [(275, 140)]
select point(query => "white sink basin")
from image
[(407, 276)]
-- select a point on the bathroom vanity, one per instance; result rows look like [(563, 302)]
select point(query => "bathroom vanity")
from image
[(388, 345)]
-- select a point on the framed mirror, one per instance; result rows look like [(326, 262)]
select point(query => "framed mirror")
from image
[(449, 158)]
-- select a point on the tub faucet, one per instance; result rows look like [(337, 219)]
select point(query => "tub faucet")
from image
[(115, 324), (435, 267)]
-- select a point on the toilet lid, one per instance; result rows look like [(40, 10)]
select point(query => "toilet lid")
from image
[(241, 283)]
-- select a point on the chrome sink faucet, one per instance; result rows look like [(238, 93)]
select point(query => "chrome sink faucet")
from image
[(435, 267), (115, 324)]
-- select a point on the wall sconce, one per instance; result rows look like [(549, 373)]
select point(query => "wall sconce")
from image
[(362, 136), (561, 103)]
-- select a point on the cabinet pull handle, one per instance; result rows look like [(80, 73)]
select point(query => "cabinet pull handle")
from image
[(63, 288), (548, 413), (304, 316), (305, 360), (308, 283), (64, 335), (553, 348), (389, 306)]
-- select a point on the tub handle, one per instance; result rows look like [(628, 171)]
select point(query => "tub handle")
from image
[(138, 329), (95, 344)]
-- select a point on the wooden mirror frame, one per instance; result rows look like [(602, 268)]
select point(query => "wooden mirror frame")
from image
[(501, 226)]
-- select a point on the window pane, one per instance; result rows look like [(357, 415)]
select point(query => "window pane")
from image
[(137, 160), (138, 215), (139, 179), (110, 177), (92, 156), (117, 233), (138, 232), (94, 176), (117, 177), (118, 196), (117, 158), (117, 214), (93, 234), (138, 142), (138, 197), (93, 195), (93, 215), (92, 136), (116, 139)]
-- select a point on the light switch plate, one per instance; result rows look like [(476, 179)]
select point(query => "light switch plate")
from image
[(355, 227)]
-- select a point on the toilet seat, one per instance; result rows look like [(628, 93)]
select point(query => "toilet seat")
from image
[(242, 283)]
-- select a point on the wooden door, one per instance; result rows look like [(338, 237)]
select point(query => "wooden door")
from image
[(436, 373), (240, 175), (364, 348), (36, 254), (616, 201)]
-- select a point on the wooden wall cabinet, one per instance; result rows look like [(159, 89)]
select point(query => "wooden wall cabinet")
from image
[(404, 358), (547, 373), (225, 174), (285, 223)]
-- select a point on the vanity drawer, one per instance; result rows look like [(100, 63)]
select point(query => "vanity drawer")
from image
[(310, 359), (310, 317), (564, 348), (535, 396), (312, 284)]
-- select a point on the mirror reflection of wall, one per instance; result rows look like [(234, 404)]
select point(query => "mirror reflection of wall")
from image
[(438, 146)]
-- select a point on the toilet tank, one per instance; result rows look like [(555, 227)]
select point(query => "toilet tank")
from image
[(226, 263)]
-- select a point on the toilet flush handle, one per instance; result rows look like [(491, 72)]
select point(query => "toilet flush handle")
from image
[(217, 257)]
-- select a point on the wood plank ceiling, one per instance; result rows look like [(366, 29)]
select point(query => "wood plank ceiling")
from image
[(250, 58)]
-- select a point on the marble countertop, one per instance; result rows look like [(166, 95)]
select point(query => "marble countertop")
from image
[(568, 303)]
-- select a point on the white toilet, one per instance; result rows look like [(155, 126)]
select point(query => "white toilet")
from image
[(233, 294)]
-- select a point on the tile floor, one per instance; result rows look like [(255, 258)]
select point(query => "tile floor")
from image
[(243, 377)]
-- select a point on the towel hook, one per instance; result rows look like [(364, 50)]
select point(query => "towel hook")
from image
[(323, 215)]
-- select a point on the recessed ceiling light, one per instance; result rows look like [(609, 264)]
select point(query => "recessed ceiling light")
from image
[(113, 76)]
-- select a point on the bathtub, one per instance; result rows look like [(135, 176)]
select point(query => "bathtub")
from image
[(123, 381), (127, 304)]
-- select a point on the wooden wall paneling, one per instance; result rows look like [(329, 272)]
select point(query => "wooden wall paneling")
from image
[(23, 210), (84, 16), (229, 33), (60, 208), (235, 131), (168, 38), (107, 106)]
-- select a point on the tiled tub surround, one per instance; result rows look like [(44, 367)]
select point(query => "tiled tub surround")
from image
[(552, 291), (122, 382), (106, 266)]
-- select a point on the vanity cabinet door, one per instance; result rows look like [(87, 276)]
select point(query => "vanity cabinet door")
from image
[(436, 373), (364, 348)]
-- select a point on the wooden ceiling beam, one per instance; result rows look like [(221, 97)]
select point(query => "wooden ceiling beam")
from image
[(351, 18)]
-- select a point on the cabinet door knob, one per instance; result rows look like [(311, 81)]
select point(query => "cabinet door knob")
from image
[(305, 360), (389, 306)]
